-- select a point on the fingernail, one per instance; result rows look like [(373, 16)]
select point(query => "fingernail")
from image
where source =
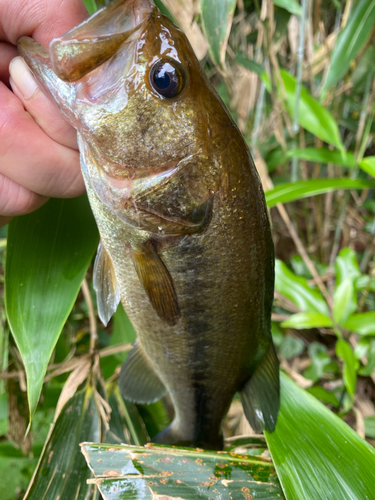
[(22, 77)]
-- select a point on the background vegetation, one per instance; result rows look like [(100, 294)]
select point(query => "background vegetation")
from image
[(299, 80)]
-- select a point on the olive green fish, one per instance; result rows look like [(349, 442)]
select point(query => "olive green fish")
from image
[(185, 236)]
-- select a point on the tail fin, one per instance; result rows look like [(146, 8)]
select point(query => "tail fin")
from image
[(261, 394)]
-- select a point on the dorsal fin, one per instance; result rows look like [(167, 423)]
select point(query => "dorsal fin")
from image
[(157, 282), (138, 382), (105, 284), (92, 42)]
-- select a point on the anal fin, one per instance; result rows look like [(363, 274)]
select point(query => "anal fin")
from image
[(105, 284), (157, 282), (261, 394), (138, 382)]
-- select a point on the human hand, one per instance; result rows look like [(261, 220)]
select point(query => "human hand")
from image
[(39, 156)]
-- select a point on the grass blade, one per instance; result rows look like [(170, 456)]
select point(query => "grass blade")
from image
[(317, 456), (48, 254)]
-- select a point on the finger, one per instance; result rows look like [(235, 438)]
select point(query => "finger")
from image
[(41, 108), (16, 199), (41, 19), (7, 53), (31, 158)]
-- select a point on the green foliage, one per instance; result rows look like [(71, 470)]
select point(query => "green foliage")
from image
[(48, 254)]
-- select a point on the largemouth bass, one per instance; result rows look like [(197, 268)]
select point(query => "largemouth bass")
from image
[(185, 236)]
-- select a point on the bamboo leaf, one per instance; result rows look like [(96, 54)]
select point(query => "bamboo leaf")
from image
[(368, 165), (346, 354), (323, 155), (316, 455), (61, 471), (312, 115), (344, 301), (290, 5), (302, 189), (159, 472), (296, 289), (48, 254), (304, 320), (361, 323), (346, 266), (352, 38), (217, 16)]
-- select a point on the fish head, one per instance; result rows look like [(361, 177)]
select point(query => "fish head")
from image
[(129, 82)]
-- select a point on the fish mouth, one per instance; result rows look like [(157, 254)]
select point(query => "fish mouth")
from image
[(91, 43)]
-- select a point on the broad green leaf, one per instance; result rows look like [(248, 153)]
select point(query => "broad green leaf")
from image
[(346, 266), (61, 471), (352, 38), (15, 473), (304, 320), (48, 254), (302, 189), (327, 397), (370, 426), (361, 323), (368, 165), (290, 5), (323, 155), (344, 301), (318, 456), (346, 354), (217, 16), (365, 282), (159, 472), (318, 363), (296, 289), (312, 115)]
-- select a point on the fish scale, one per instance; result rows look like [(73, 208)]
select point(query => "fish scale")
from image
[(185, 236)]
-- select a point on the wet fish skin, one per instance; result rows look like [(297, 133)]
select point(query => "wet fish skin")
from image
[(186, 240)]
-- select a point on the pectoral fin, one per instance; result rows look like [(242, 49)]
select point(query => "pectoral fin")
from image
[(138, 382), (105, 285), (157, 282), (261, 395)]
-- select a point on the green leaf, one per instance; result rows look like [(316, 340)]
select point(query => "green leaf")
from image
[(370, 426), (344, 301), (368, 165), (159, 472), (369, 368), (323, 155), (305, 320), (48, 254), (327, 397), (217, 16), (249, 64), (317, 456), (61, 471), (312, 116), (318, 363), (349, 42), (296, 289), (90, 6), (361, 323), (302, 189), (346, 354), (291, 346), (290, 5), (346, 266)]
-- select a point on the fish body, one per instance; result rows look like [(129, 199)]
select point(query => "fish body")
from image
[(185, 236)]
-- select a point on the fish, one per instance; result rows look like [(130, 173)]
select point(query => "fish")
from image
[(186, 242)]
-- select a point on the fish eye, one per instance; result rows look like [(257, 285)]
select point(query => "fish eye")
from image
[(167, 78)]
